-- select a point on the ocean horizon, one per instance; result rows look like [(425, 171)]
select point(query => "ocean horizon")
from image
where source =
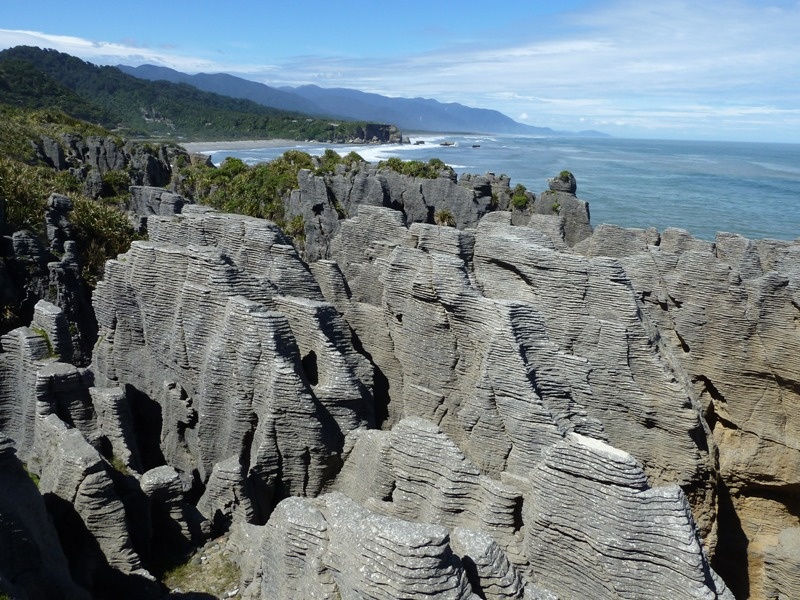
[(748, 188)]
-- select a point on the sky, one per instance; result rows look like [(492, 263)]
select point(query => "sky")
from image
[(667, 69)]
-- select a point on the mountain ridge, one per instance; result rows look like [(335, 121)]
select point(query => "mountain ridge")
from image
[(38, 78), (410, 114)]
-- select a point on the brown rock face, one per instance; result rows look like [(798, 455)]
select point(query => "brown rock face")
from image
[(729, 311)]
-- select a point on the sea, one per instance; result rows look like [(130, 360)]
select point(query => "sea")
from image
[(752, 189)]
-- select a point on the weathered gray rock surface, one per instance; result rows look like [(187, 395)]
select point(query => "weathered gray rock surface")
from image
[(728, 312), (324, 201), (32, 561), (518, 407), (229, 352)]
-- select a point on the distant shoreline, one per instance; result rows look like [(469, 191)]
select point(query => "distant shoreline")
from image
[(193, 147)]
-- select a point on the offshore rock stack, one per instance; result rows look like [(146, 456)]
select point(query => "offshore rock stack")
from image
[(517, 407)]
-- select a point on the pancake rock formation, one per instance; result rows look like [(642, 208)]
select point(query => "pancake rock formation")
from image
[(517, 407)]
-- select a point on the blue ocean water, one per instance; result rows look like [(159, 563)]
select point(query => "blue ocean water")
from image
[(752, 189)]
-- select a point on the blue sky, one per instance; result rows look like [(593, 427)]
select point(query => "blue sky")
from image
[(708, 69)]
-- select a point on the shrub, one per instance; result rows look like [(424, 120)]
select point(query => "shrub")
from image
[(101, 232), (115, 183), (415, 168), (256, 191), (25, 189), (328, 161), (43, 334), (519, 197), (394, 163), (35, 479), (352, 157), (340, 211), (565, 176)]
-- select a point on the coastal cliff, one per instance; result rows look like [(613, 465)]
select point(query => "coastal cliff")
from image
[(444, 387)]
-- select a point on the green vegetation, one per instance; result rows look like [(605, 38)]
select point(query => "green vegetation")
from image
[(18, 126), (115, 184), (565, 176), (256, 191), (46, 79), (35, 479), (340, 211), (415, 168), (519, 197), (444, 218), (217, 575), (102, 231), (43, 334), (297, 228), (352, 157), (119, 465), (329, 161)]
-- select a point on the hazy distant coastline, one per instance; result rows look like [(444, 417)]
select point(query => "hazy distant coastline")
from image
[(242, 145)]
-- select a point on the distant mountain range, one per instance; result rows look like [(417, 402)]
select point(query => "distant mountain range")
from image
[(409, 114), (34, 78), (158, 102)]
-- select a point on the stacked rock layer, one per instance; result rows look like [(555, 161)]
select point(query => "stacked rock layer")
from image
[(519, 408)]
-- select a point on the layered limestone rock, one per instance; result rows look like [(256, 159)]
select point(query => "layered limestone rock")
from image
[(145, 201), (66, 431), (415, 472), (33, 269), (728, 310), (508, 344), (594, 528), (516, 408), (85, 156), (324, 201), (332, 546), (230, 355), (84, 502), (591, 528), (32, 561)]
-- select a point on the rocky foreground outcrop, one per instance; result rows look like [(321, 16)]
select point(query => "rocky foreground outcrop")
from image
[(519, 407)]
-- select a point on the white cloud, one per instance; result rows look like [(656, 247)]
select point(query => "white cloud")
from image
[(110, 53)]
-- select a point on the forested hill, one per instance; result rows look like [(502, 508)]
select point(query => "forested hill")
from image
[(415, 114), (35, 78)]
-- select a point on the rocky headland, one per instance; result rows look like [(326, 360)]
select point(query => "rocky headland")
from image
[(438, 389)]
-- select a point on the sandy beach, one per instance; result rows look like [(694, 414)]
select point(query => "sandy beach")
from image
[(240, 145)]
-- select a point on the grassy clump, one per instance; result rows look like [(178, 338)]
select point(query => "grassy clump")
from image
[(18, 127), (297, 228), (217, 576), (35, 479), (444, 218), (43, 334)]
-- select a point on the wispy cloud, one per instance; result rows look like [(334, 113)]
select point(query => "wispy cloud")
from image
[(102, 52)]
